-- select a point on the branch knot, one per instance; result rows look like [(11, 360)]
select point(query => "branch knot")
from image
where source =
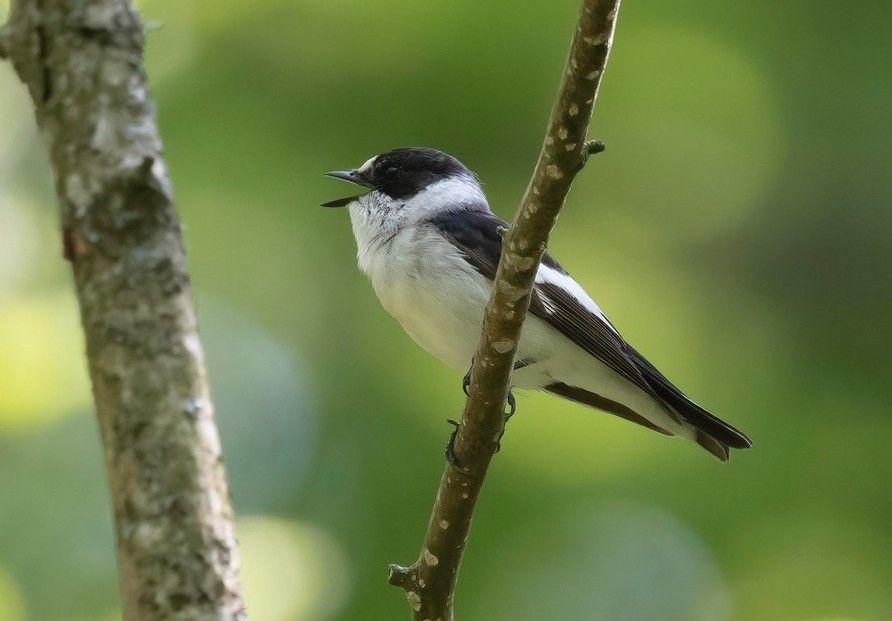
[(403, 577), (589, 148)]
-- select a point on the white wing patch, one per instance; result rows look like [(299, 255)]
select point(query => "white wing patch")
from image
[(551, 276)]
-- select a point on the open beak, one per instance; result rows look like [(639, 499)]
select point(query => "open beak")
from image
[(352, 176)]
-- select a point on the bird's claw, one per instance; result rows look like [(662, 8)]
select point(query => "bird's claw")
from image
[(466, 380), (450, 446), (512, 408)]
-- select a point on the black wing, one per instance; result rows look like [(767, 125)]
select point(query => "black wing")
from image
[(478, 234)]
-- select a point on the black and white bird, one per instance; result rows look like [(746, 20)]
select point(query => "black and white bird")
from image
[(430, 245)]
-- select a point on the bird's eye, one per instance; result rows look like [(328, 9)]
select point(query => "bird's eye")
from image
[(390, 171)]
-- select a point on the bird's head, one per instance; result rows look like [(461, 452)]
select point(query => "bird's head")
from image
[(400, 175)]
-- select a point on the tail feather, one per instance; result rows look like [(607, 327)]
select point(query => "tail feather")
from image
[(579, 395), (720, 450), (693, 414), (707, 430)]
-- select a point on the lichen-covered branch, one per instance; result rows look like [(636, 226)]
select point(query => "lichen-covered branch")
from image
[(82, 64), (430, 582)]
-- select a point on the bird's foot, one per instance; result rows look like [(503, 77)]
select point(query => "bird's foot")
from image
[(449, 453), (466, 380), (509, 412)]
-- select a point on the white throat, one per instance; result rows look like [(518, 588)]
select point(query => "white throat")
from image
[(377, 218)]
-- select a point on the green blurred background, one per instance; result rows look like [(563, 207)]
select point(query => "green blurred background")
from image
[(737, 230)]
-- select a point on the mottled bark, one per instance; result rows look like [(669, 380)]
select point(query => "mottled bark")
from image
[(82, 64), (430, 581)]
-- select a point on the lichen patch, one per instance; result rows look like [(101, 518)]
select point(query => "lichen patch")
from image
[(429, 559), (553, 171)]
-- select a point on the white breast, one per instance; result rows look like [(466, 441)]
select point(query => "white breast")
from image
[(436, 296), (426, 285)]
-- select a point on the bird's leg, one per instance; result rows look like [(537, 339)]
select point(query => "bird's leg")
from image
[(512, 408), (450, 446)]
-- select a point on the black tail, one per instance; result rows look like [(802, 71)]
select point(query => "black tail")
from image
[(713, 434)]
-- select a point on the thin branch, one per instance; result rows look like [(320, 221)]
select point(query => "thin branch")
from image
[(82, 64), (430, 582)]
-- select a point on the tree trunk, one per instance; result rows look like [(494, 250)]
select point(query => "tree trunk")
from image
[(82, 64)]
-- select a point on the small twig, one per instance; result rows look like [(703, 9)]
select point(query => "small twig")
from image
[(430, 582)]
